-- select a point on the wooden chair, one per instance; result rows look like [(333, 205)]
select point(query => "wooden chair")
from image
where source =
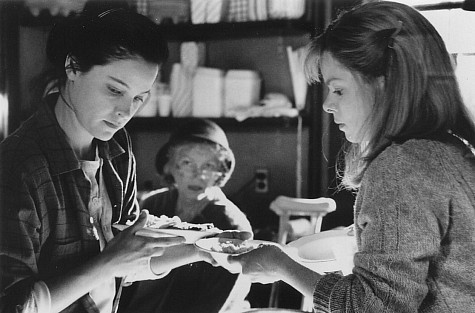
[(286, 207)]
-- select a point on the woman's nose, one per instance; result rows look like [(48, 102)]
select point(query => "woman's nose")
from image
[(125, 109), (200, 173), (329, 106)]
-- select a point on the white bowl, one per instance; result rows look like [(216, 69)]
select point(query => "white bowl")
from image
[(327, 251)]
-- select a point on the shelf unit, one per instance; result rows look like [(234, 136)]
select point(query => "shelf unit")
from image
[(256, 123), (256, 32), (203, 32), (199, 32), (227, 30)]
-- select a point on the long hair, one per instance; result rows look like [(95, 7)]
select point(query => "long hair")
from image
[(420, 97)]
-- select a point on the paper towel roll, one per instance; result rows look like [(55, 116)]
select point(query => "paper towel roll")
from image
[(215, 10), (198, 11), (181, 85)]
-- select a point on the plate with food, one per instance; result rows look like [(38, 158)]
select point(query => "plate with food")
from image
[(226, 245), (221, 248), (164, 226)]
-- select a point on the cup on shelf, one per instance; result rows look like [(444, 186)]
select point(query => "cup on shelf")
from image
[(207, 92), (164, 104)]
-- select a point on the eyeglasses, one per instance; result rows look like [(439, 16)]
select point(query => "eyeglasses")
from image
[(207, 171)]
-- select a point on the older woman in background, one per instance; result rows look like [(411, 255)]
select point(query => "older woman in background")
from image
[(195, 163)]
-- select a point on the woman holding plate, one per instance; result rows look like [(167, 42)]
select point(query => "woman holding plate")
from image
[(68, 173), (392, 90)]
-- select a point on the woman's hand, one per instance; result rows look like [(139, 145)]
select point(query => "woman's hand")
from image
[(127, 250), (207, 257), (271, 263), (122, 256), (263, 264)]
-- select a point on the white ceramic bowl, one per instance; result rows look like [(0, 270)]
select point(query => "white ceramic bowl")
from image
[(327, 251)]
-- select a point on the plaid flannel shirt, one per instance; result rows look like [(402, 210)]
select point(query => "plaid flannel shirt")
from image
[(45, 226)]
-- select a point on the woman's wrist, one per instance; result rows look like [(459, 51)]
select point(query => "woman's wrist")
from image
[(284, 265), (298, 275), (174, 257)]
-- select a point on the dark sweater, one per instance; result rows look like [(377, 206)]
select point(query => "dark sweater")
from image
[(193, 288)]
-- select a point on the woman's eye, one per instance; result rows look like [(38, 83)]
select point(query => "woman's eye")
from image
[(139, 99), (210, 167), (114, 91), (184, 163), (338, 92)]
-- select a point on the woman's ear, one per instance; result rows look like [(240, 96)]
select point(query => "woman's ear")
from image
[(167, 176), (70, 67), (381, 82), (167, 168)]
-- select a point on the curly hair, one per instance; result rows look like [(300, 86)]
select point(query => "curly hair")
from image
[(198, 131)]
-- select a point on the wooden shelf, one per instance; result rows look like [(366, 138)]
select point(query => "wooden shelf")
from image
[(233, 30), (206, 32), (228, 124), (199, 32)]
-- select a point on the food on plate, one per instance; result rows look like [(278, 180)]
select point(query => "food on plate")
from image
[(162, 221), (233, 247), (165, 222)]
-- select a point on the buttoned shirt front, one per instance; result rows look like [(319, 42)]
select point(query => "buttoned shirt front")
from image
[(45, 224)]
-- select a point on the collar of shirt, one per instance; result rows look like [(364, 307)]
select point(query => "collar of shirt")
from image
[(58, 151)]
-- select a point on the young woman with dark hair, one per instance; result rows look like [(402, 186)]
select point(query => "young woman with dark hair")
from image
[(68, 173)]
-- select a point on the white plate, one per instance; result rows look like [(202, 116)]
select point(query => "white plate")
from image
[(191, 236), (327, 251)]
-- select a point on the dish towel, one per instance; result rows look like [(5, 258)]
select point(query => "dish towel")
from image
[(198, 11), (181, 84), (215, 10), (192, 55), (238, 11)]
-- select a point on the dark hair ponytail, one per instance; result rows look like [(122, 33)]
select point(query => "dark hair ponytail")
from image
[(61, 41), (97, 39)]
